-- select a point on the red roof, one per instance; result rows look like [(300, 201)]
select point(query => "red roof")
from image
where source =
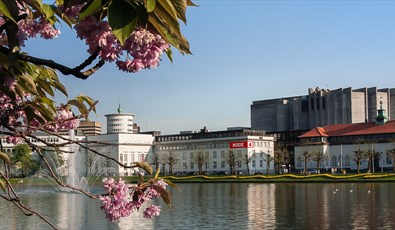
[(366, 128)]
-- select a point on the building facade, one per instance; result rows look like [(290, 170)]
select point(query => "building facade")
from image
[(287, 118), (245, 143), (367, 146), (90, 128), (321, 107)]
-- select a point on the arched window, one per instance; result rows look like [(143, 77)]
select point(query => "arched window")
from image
[(347, 158), (334, 161)]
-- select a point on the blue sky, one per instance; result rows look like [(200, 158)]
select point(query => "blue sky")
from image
[(243, 51)]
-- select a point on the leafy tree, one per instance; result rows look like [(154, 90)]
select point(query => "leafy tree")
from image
[(171, 159), (281, 156), (247, 160), (132, 34), (268, 159), (359, 155), (232, 159), (306, 156), (370, 154), (318, 157), (23, 158), (201, 158), (391, 153), (156, 160)]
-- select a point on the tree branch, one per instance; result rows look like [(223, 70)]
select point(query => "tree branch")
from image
[(76, 72)]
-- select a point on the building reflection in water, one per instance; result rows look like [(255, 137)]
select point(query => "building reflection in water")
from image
[(226, 206), (261, 205)]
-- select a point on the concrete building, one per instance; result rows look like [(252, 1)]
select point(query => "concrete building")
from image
[(287, 118), (90, 128), (342, 146), (185, 147), (321, 107)]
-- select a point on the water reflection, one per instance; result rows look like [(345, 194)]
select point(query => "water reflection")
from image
[(226, 206)]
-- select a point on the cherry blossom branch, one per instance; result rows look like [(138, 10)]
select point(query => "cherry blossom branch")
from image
[(76, 72)]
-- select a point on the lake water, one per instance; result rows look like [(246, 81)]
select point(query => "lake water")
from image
[(226, 206)]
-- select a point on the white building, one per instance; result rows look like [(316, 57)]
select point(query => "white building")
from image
[(244, 142), (124, 147), (120, 143), (342, 144)]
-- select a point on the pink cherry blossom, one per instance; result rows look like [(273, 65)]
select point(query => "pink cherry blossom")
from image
[(151, 211)]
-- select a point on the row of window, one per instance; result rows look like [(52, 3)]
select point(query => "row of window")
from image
[(124, 157), (222, 154), (119, 119), (215, 164), (336, 161), (350, 138), (208, 146), (211, 135)]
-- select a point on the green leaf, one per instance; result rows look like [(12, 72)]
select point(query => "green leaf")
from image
[(2, 185), (80, 105), (44, 112), (88, 100), (122, 17), (150, 5), (45, 86), (164, 194), (145, 166), (169, 54), (47, 10), (7, 9), (181, 7), (5, 157), (28, 81), (48, 103), (60, 87), (190, 3), (178, 42), (90, 9)]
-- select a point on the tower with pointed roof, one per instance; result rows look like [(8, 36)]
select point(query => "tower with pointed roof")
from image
[(381, 118)]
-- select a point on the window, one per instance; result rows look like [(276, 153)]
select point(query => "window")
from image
[(214, 165), (191, 155), (222, 164), (184, 165), (239, 164), (261, 163), (299, 162), (214, 154), (192, 165), (184, 156), (388, 160), (222, 154), (347, 158), (121, 157), (253, 163), (334, 162)]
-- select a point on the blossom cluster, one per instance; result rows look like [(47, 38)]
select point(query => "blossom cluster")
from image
[(146, 49), (120, 200), (12, 113), (143, 45), (30, 27)]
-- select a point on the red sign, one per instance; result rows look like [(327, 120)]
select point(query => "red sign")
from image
[(241, 144)]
